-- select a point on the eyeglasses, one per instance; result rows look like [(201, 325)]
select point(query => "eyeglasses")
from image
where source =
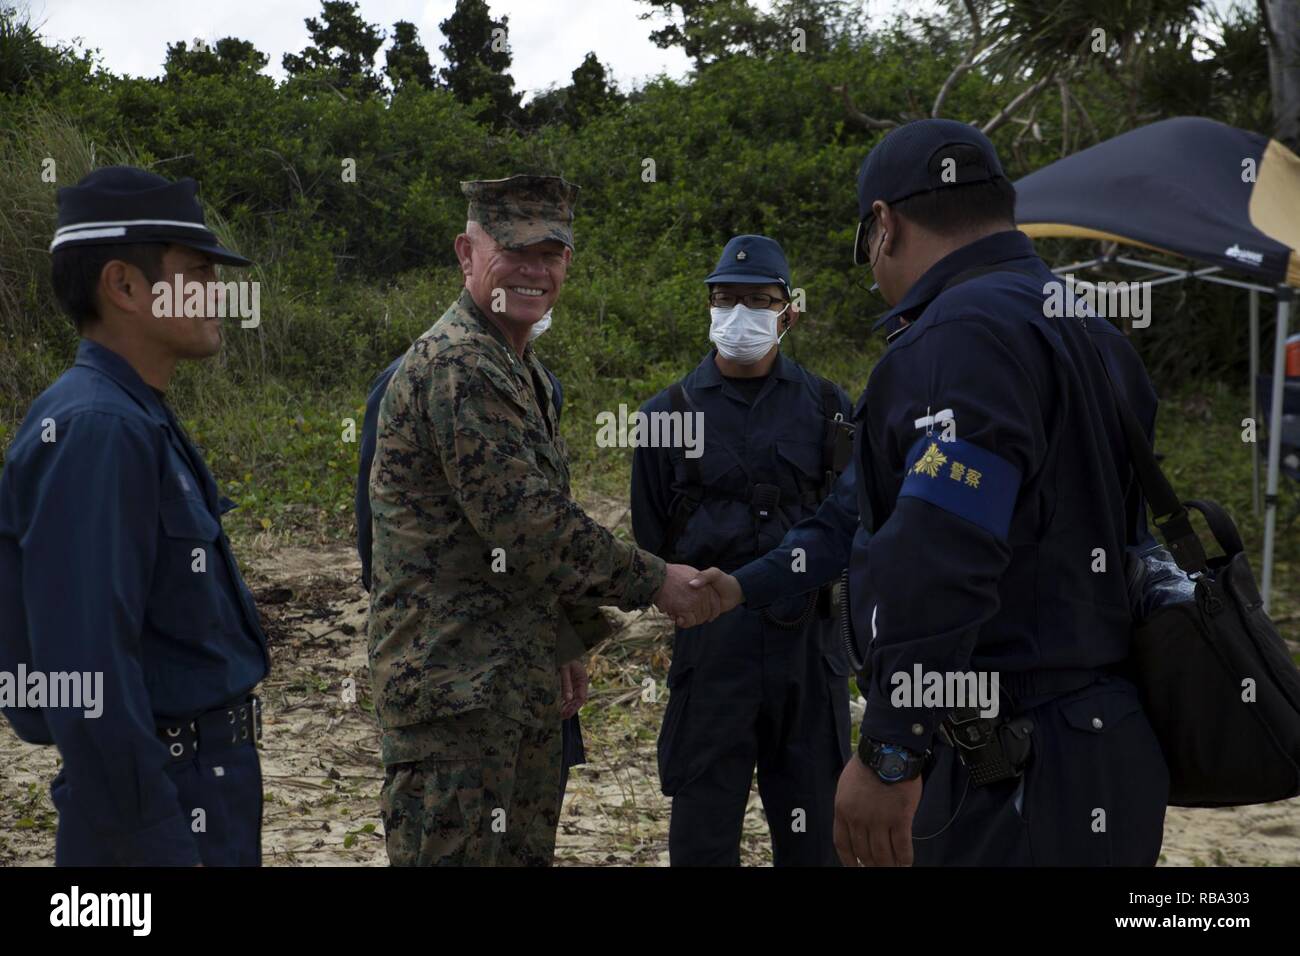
[(866, 238), (754, 300)]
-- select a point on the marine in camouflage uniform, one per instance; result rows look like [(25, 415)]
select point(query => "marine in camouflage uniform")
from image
[(481, 560)]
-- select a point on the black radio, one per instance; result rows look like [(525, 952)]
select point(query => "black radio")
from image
[(990, 748)]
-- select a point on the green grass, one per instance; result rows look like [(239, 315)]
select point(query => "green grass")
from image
[(282, 456)]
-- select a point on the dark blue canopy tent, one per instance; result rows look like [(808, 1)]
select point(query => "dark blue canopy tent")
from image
[(1191, 188)]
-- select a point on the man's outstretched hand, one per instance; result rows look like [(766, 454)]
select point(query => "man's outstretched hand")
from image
[(730, 594), (687, 606)]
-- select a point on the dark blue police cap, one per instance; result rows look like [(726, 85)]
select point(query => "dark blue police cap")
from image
[(755, 260), (910, 161), (122, 204)]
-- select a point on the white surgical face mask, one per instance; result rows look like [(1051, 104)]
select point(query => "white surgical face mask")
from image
[(743, 334), (540, 326)]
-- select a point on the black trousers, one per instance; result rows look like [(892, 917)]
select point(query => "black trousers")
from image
[(1094, 792), (746, 695), (226, 785)]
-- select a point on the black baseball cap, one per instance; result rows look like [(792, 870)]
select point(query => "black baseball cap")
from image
[(912, 159), (122, 204)]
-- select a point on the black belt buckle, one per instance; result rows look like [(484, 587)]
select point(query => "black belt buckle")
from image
[(245, 721)]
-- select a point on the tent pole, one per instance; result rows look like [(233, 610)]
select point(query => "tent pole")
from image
[(1284, 294), (1254, 399)]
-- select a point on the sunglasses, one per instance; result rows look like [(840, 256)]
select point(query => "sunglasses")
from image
[(862, 241)]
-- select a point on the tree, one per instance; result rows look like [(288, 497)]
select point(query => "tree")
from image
[(478, 57), (228, 57), (1224, 73), (25, 59), (711, 30), (342, 51), (1028, 50), (822, 24), (1282, 23), (589, 94), (592, 91), (407, 61)]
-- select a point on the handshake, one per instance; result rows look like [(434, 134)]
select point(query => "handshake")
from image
[(692, 597)]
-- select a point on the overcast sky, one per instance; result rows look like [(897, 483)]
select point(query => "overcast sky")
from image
[(548, 38)]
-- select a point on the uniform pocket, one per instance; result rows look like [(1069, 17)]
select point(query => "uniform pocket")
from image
[(670, 756), (189, 572), (832, 641), (226, 784), (1100, 712), (959, 824), (188, 518), (552, 458), (837, 686), (806, 457), (804, 476), (401, 806), (720, 523), (1097, 786)]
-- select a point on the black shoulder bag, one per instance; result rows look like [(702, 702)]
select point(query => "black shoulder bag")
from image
[(1217, 681)]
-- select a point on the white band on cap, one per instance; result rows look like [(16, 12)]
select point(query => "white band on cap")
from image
[(88, 234), (131, 222), (112, 228)]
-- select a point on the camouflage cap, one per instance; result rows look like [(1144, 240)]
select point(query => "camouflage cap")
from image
[(521, 210)]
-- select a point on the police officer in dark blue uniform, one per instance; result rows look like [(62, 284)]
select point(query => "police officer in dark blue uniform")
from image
[(594, 627), (992, 465), (113, 561), (753, 688)]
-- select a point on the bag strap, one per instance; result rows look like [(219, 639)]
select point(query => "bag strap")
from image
[(677, 398), (1020, 268), (837, 436), (690, 499), (1221, 525), (1171, 517), (830, 406)]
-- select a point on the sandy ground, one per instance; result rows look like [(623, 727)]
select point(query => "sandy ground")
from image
[(321, 751)]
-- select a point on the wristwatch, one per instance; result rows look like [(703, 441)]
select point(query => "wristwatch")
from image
[(891, 762)]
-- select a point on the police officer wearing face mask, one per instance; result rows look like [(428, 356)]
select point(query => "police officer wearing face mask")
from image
[(753, 688)]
